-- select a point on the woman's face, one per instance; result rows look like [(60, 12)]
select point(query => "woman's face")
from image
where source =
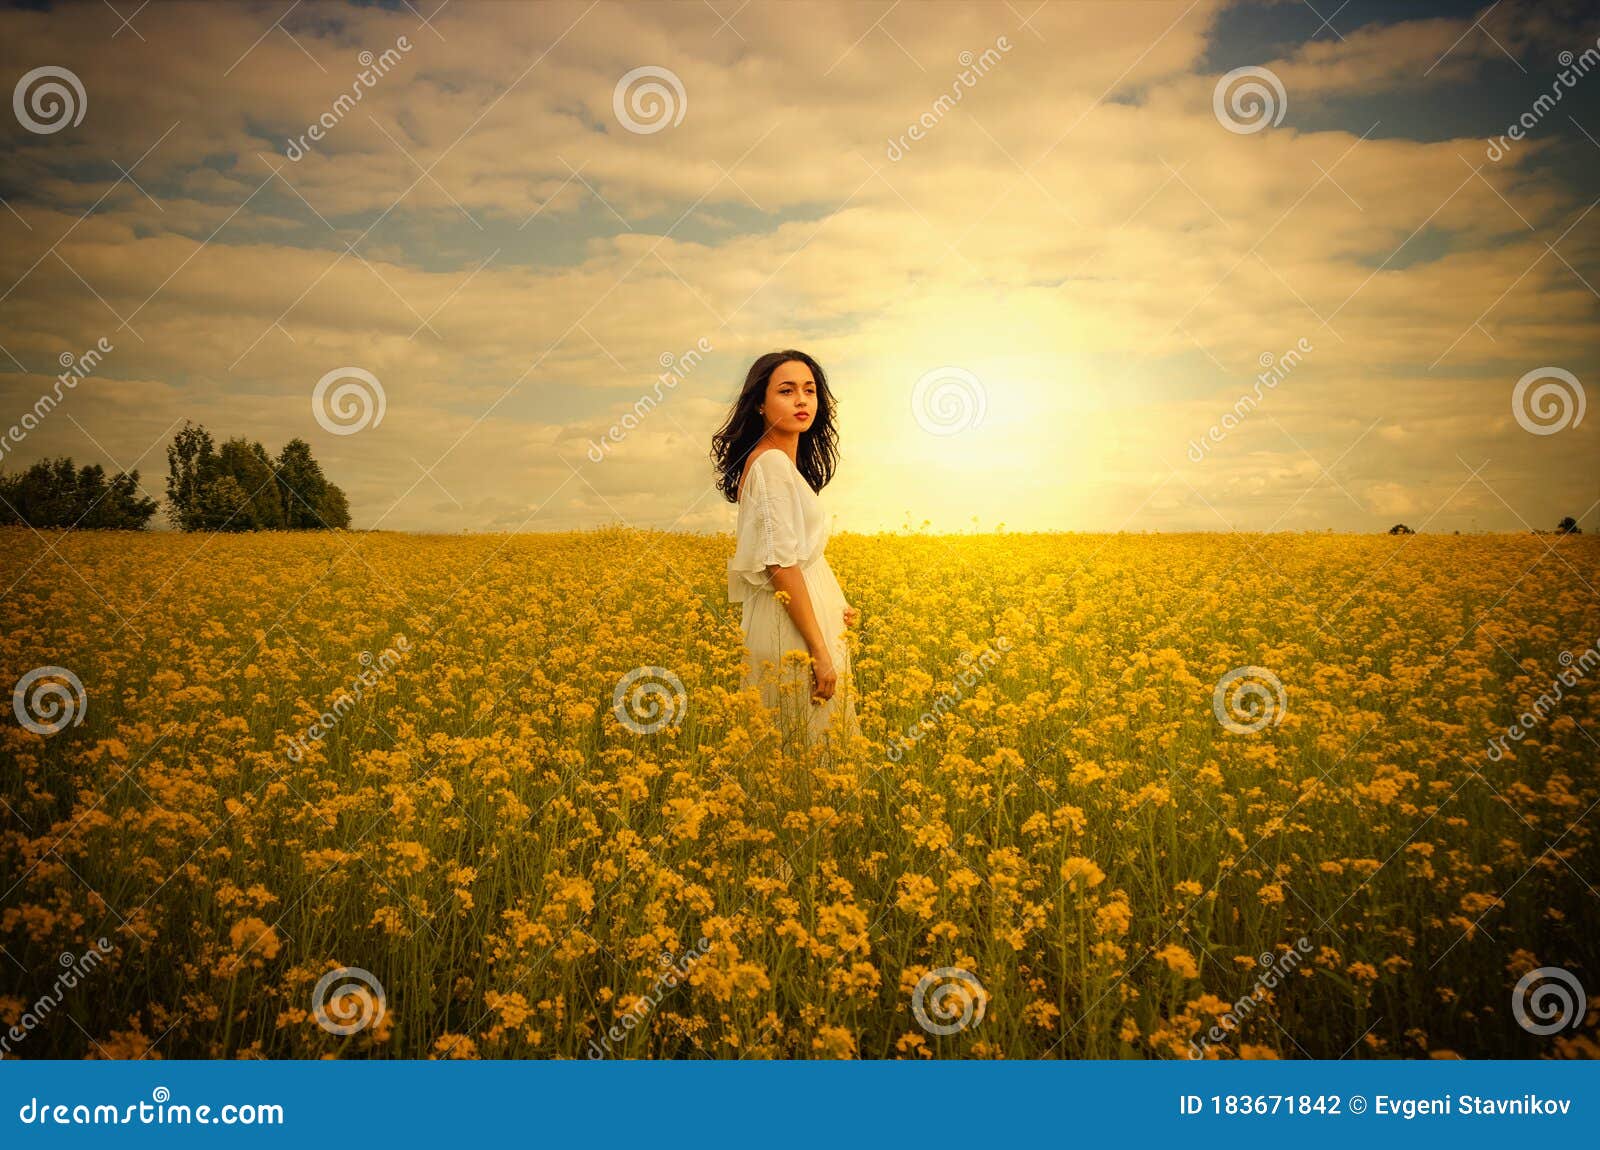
[(791, 403)]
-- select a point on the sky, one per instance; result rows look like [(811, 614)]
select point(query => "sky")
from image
[(1188, 266)]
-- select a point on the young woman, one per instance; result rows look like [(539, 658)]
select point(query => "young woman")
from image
[(775, 451)]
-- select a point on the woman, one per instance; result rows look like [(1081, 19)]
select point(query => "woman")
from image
[(775, 451)]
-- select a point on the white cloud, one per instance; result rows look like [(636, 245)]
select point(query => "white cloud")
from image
[(1112, 272)]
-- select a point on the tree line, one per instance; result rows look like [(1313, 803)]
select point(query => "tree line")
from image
[(1568, 526), (55, 493), (239, 487), (235, 487)]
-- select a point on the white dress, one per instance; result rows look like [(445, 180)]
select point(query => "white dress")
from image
[(782, 521)]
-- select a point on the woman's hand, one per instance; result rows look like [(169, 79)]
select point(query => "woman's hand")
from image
[(826, 678), (851, 616)]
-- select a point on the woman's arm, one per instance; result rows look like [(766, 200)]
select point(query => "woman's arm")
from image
[(791, 581)]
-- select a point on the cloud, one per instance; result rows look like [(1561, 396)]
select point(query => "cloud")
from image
[(1077, 231), (1387, 57)]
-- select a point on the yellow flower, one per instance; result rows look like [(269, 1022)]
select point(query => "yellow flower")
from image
[(252, 936), (1081, 873), (478, 795), (1180, 960), (1363, 971), (1113, 919), (512, 1008), (454, 1046), (834, 1042), (916, 895)]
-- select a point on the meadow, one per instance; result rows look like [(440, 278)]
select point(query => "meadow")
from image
[(293, 755)]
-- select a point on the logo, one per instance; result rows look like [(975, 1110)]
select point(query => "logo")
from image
[(52, 706), (1548, 1000), (948, 1000), (649, 698), (1246, 699), (1554, 405), (1248, 99), (348, 999), (652, 92), (353, 406), (57, 96)]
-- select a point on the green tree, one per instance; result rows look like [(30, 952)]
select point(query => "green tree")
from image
[(191, 465), (262, 493), (335, 509), (224, 506), (125, 508), (251, 467), (303, 487), (54, 493)]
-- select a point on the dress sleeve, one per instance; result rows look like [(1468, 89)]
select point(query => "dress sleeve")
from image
[(771, 528)]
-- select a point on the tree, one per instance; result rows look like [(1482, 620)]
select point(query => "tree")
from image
[(1401, 529), (125, 507), (251, 468), (191, 466), (1569, 526), (335, 509), (305, 489), (239, 487), (54, 493), (224, 506)]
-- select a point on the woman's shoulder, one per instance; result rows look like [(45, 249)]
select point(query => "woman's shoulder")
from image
[(779, 466)]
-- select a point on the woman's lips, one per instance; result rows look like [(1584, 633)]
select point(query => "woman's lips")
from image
[(802, 415)]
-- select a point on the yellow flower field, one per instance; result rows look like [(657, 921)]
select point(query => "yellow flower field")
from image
[(295, 754)]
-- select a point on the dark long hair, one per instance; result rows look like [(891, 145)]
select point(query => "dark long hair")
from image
[(818, 452)]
